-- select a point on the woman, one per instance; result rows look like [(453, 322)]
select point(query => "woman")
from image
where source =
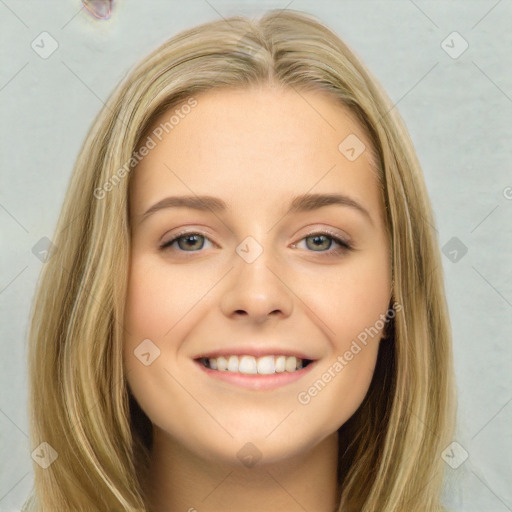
[(250, 370)]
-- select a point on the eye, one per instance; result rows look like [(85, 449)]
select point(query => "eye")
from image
[(187, 242), (317, 242), (321, 240)]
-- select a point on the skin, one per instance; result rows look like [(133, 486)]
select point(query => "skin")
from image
[(255, 149)]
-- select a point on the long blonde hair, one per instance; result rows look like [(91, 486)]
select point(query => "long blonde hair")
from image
[(80, 404)]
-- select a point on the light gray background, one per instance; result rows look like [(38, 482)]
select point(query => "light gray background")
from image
[(458, 111)]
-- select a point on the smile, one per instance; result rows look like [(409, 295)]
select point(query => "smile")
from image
[(250, 365), (263, 373)]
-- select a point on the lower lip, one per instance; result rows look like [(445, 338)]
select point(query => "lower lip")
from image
[(257, 381)]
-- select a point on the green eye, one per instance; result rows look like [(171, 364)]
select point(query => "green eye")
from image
[(187, 241), (320, 242)]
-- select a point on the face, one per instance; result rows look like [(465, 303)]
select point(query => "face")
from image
[(256, 273)]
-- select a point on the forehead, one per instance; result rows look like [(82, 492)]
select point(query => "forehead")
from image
[(264, 143)]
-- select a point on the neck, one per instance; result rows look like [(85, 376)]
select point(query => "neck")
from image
[(179, 480)]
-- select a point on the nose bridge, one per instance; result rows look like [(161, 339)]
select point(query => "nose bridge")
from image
[(255, 286), (254, 262)]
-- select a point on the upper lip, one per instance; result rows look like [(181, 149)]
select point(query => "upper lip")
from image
[(255, 352)]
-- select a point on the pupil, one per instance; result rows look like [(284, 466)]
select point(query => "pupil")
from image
[(188, 238), (316, 238)]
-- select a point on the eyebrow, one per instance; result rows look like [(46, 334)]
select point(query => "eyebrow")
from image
[(301, 203)]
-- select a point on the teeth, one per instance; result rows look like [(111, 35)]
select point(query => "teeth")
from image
[(266, 365), (233, 364), (280, 364), (291, 364), (247, 365)]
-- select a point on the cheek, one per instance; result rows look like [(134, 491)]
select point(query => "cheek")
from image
[(162, 305), (353, 312), (148, 316), (158, 297), (142, 304), (155, 304), (355, 324), (353, 299)]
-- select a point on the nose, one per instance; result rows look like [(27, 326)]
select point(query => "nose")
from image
[(258, 291)]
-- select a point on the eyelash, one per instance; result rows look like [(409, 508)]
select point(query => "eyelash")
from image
[(343, 245)]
